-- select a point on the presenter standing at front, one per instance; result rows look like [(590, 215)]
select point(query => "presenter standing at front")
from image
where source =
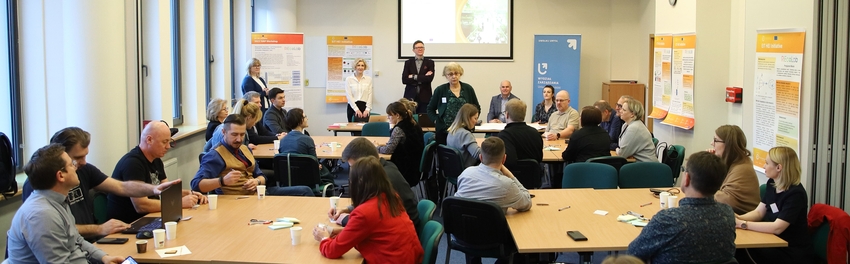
[(358, 91), (417, 76)]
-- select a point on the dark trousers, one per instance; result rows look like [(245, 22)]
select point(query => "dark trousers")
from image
[(772, 255), (360, 105), (556, 175)]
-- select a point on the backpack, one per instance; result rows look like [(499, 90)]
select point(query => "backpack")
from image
[(8, 184), (669, 156)]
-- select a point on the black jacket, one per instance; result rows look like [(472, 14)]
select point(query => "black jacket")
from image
[(521, 142), (586, 143)]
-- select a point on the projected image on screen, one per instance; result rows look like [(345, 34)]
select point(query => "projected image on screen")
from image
[(457, 29)]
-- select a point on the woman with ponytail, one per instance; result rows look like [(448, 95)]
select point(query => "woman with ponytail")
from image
[(406, 142)]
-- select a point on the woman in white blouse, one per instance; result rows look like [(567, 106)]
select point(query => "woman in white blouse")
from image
[(358, 91), (253, 82)]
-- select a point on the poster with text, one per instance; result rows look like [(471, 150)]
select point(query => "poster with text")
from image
[(662, 89), (557, 62), (282, 58), (342, 52), (776, 92), (681, 112)]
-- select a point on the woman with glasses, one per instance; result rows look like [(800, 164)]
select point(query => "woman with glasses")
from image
[(253, 82), (358, 91), (216, 112), (447, 100), (460, 134), (546, 108), (635, 139), (782, 212), (740, 188)]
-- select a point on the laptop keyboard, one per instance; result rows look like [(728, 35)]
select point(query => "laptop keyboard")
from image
[(155, 224)]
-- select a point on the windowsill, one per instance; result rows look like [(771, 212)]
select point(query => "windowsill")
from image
[(20, 178), (188, 130)]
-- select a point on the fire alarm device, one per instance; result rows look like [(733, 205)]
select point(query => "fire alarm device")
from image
[(734, 94)]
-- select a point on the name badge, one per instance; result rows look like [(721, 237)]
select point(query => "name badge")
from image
[(774, 208), (444, 100)]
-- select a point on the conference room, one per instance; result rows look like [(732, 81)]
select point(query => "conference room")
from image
[(109, 66)]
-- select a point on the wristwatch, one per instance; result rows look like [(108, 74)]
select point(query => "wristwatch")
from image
[(558, 135), (744, 225), (221, 181)]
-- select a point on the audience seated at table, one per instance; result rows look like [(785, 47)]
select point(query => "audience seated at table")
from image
[(544, 109), (361, 148), (740, 189), (590, 141), (143, 164), (406, 141), (297, 142), (251, 113), (699, 230), (498, 102), (460, 134), (611, 122), (378, 226), (447, 100), (635, 140), (563, 122), (273, 119), (521, 140), (257, 133), (76, 142), (216, 112), (42, 230), (782, 212), (231, 168)]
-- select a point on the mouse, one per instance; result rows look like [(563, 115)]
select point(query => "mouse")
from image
[(144, 235)]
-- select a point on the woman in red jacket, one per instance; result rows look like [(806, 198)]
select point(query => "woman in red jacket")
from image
[(378, 227)]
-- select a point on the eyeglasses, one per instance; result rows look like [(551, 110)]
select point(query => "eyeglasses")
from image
[(256, 65), (619, 106), (419, 48), (561, 100), (718, 141), (672, 191), (452, 74)]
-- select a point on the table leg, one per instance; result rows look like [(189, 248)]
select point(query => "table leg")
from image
[(584, 257)]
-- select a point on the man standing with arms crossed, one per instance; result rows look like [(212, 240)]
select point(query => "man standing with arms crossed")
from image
[(417, 75)]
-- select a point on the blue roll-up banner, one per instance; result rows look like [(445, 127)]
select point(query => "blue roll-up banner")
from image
[(557, 61)]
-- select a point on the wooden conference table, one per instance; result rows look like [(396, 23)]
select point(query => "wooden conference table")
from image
[(224, 236), (543, 228), (483, 128)]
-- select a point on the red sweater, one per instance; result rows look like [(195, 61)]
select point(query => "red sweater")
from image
[(839, 231), (380, 240)]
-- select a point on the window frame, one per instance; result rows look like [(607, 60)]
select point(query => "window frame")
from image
[(15, 84), (177, 80)]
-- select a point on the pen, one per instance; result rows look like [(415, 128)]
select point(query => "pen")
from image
[(642, 205), (563, 208)]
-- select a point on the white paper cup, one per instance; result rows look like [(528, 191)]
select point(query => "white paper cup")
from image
[(663, 197), (171, 230), (159, 238), (261, 192), (295, 233), (276, 144), (213, 201), (334, 202), (333, 146), (672, 201)]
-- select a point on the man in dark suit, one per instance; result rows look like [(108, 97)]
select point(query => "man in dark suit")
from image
[(498, 102), (417, 76), (273, 118)]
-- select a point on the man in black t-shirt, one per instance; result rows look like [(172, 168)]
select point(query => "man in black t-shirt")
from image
[(76, 142), (521, 140), (143, 164)]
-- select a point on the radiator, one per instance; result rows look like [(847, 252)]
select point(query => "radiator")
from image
[(171, 169)]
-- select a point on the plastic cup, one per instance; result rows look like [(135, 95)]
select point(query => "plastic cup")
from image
[(672, 201), (261, 192), (276, 144), (141, 246), (295, 233), (334, 202), (663, 197), (171, 230), (213, 201), (333, 146), (159, 238)]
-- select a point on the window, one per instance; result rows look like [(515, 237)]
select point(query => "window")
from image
[(10, 104)]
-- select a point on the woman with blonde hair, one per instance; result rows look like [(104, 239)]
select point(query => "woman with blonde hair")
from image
[(447, 100), (460, 134), (253, 82), (635, 139), (740, 188), (251, 113), (782, 212), (358, 91), (216, 112), (405, 142)]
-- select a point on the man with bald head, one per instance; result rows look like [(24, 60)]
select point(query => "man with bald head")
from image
[(144, 164), (498, 102), (563, 122)]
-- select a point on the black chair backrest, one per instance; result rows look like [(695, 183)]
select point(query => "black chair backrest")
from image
[(476, 224), (528, 172), (614, 161), (449, 161), (305, 169)]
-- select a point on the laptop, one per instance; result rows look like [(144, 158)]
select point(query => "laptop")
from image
[(425, 121), (171, 208)]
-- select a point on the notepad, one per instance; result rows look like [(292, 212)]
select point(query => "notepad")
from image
[(289, 219), (551, 148), (626, 218), (638, 222), (280, 225)]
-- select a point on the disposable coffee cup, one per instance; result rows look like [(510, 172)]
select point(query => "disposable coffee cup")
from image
[(276, 144), (334, 202), (261, 192), (295, 233), (171, 230), (213, 201), (663, 197), (672, 201), (333, 146), (159, 238), (141, 246)]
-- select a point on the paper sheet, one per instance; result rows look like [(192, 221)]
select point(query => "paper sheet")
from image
[(181, 250)]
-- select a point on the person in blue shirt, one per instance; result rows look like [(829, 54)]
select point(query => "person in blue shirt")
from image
[(611, 122), (298, 142)]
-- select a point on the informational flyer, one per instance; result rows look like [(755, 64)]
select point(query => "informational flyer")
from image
[(681, 113), (662, 87), (776, 93), (342, 52), (282, 59)]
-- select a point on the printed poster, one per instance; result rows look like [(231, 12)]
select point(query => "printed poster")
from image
[(342, 52), (776, 94), (557, 61), (662, 87), (681, 113), (282, 59)]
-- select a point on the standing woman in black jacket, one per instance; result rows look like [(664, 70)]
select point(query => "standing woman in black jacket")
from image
[(253, 82)]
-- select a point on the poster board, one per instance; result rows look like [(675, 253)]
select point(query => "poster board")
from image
[(282, 59), (681, 113), (342, 51), (661, 76)]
